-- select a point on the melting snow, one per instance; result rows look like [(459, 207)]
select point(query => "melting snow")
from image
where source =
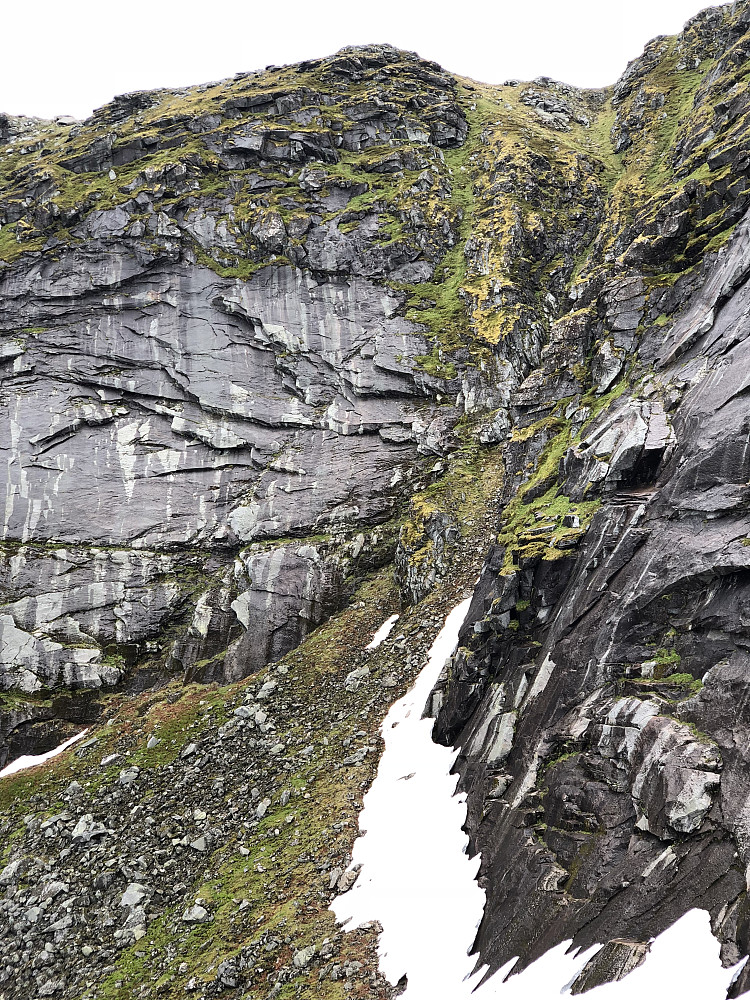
[(21, 763), (684, 962), (382, 633), (418, 882), (416, 878)]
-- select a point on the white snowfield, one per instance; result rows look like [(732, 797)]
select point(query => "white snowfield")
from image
[(21, 763), (418, 882)]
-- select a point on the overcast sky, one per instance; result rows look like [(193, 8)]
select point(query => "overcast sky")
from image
[(70, 56)]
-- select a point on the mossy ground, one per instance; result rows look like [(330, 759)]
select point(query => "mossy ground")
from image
[(290, 852)]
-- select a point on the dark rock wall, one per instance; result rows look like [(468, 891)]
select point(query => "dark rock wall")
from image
[(210, 396), (599, 692)]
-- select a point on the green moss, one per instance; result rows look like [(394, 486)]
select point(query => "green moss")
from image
[(237, 267), (16, 700), (14, 243), (559, 758), (666, 661), (692, 684), (283, 854), (433, 364)]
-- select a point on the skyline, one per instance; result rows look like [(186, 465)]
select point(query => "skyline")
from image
[(81, 58)]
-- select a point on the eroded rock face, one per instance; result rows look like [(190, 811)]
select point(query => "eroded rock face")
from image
[(262, 337), (189, 386), (599, 694)]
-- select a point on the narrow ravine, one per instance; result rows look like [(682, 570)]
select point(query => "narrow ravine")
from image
[(418, 882)]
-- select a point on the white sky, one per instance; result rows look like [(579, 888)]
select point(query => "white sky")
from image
[(70, 56)]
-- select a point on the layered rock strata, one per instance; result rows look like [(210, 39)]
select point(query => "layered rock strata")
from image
[(211, 398), (597, 696)]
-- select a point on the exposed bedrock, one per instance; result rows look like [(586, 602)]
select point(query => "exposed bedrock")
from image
[(600, 696), (158, 420), (213, 405)]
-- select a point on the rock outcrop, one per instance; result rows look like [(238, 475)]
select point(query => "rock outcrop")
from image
[(266, 341), (212, 401), (596, 695)]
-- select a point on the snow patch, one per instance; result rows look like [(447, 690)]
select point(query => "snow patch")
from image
[(21, 763), (416, 877), (382, 633), (417, 880)]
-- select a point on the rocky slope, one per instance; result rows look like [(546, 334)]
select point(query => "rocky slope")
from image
[(270, 349)]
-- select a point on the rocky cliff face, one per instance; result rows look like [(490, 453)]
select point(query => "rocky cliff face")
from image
[(599, 692), (212, 399), (270, 343)]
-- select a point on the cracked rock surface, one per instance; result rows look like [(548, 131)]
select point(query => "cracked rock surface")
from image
[(600, 689)]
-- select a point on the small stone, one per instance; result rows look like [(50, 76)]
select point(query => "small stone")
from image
[(134, 894), (648, 668), (303, 957), (10, 872), (355, 678), (199, 844), (267, 690), (153, 742), (86, 829), (196, 914), (189, 750), (348, 879)]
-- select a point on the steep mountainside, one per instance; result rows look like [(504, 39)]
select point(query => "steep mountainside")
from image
[(283, 354)]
